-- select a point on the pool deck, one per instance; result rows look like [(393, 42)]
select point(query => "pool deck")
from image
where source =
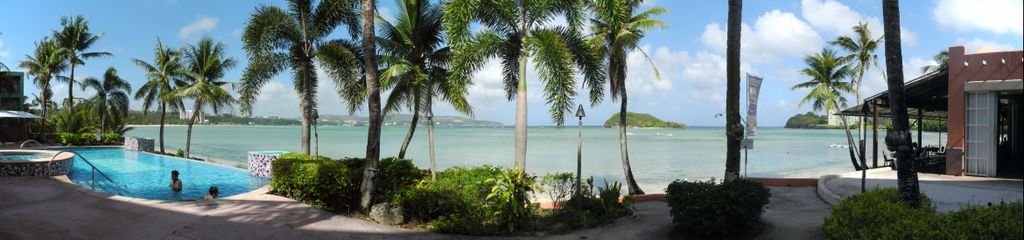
[(946, 191), (54, 208)]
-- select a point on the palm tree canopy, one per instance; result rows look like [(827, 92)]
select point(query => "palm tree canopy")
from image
[(513, 29), (277, 39), (862, 49), (47, 61), (827, 70), (111, 92), (162, 75), (616, 32), (415, 62), (75, 38), (206, 64), (941, 60)]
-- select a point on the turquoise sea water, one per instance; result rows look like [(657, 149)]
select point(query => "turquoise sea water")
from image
[(146, 175), (658, 156)]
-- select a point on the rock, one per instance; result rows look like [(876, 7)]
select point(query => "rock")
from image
[(386, 214)]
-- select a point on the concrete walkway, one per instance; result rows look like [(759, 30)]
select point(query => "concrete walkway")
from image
[(946, 191), (43, 208)]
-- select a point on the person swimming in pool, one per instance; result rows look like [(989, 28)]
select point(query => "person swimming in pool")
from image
[(175, 182), (213, 193)]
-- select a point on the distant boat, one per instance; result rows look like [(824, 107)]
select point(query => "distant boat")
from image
[(834, 145), (630, 134)]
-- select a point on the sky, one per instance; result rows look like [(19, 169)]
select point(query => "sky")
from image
[(689, 54)]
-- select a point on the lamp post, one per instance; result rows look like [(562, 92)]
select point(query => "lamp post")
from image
[(430, 134), (579, 148)]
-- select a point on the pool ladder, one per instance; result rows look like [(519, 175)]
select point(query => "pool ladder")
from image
[(94, 170), (31, 141)]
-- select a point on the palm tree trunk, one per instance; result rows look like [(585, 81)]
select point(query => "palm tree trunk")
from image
[(734, 130), (46, 98), (373, 93), (103, 121), (862, 126), (305, 107), (430, 134), (71, 95), (898, 136), (412, 128), (632, 186), (849, 140), (163, 117), (520, 138), (188, 137)]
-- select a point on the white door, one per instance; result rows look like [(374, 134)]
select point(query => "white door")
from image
[(981, 139)]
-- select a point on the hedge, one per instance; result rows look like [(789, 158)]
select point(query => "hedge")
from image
[(89, 139), (334, 185), (880, 214), (710, 209)]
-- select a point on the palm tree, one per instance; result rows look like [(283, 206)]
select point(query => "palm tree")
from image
[(111, 95), (369, 49), (162, 74), (617, 32), (898, 136), (76, 40), (47, 62), (827, 70), (941, 60), (862, 51), (733, 131), (513, 32), (415, 63), (205, 66), (277, 39)]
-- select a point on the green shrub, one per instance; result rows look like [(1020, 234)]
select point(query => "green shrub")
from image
[(586, 209), (334, 184), (880, 214), (558, 186), (510, 198), (88, 139), (710, 209), (454, 203)]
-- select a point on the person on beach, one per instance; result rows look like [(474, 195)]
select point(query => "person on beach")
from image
[(175, 182), (213, 193)]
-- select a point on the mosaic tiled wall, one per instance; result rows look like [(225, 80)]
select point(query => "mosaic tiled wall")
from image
[(138, 144), (28, 168), (260, 163)]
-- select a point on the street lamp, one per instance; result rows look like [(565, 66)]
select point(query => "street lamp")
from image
[(579, 148), (430, 134)]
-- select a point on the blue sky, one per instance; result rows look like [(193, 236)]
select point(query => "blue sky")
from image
[(689, 53)]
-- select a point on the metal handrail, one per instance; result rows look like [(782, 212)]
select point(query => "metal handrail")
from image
[(30, 141), (94, 169)]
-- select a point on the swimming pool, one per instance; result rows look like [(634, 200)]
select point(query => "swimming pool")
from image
[(146, 175), (17, 156)]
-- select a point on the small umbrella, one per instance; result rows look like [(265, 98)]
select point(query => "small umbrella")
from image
[(17, 114)]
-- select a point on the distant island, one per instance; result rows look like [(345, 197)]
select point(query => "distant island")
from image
[(641, 120), (153, 118), (808, 120)]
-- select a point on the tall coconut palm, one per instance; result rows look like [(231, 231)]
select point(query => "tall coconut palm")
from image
[(206, 64), (111, 96), (514, 32), (898, 136), (733, 131), (415, 63), (827, 70), (75, 38), (941, 60), (368, 10), (277, 39), (162, 75), (44, 65), (616, 32), (861, 49)]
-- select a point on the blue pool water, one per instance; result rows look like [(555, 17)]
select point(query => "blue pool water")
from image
[(147, 175)]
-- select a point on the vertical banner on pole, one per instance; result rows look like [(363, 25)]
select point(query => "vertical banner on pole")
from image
[(753, 88)]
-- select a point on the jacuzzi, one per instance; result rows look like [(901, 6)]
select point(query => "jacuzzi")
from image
[(22, 163)]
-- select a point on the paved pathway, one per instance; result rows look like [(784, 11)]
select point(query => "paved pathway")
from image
[(40, 208), (946, 191)]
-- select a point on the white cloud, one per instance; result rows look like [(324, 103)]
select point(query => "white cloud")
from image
[(198, 27), (775, 34), (834, 16), (912, 68), (976, 44), (998, 16)]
